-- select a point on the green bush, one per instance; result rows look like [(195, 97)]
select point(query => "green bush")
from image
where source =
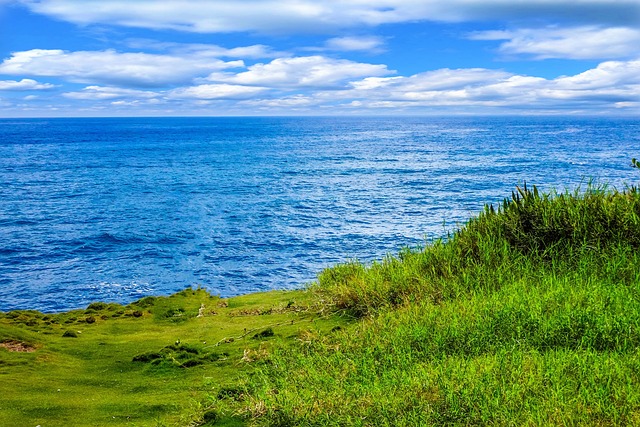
[(97, 306), (70, 334), (497, 245), (264, 334), (177, 355)]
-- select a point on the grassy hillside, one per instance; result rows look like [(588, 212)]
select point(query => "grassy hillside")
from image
[(166, 361), (528, 315)]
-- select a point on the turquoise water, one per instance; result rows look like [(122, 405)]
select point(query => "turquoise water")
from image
[(115, 209)]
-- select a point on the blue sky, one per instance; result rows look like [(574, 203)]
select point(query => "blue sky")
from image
[(318, 57)]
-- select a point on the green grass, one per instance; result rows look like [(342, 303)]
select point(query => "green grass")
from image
[(151, 363), (527, 315)]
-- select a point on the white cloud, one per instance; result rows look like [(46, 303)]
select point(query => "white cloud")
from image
[(611, 85), (24, 84), (126, 103), (328, 15), (433, 88), (137, 103), (586, 42), (374, 82), (102, 93), (200, 49), (111, 67), (216, 91), (306, 71), (123, 96), (618, 80), (291, 102), (366, 43), (254, 51), (448, 79), (317, 83)]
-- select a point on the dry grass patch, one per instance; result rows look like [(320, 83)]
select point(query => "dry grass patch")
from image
[(17, 346)]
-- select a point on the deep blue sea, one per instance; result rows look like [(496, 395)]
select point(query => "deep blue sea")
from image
[(116, 209)]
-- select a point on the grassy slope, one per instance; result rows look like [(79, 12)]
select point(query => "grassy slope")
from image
[(529, 315), (92, 380)]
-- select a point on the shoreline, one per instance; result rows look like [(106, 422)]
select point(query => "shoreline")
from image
[(527, 315)]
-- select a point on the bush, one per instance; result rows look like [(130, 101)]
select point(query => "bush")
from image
[(145, 302), (264, 334), (530, 227), (210, 416), (97, 306), (177, 355)]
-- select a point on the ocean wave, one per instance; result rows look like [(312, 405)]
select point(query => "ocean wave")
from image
[(111, 209)]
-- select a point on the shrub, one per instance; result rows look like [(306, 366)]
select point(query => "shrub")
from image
[(147, 357), (499, 244), (210, 416), (264, 334), (177, 355), (145, 302), (97, 306)]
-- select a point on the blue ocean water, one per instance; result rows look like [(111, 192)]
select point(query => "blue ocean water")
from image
[(116, 209)]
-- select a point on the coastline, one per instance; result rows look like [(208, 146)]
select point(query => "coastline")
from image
[(528, 314)]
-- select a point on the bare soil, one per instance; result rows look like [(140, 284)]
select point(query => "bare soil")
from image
[(17, 346)]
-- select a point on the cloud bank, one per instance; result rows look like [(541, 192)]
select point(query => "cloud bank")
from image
[(326, 16), (587, 42), (344, 67), (614, 83), (111, 67), (312, 84)]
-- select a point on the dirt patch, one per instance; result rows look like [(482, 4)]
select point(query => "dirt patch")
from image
[(19, 346)]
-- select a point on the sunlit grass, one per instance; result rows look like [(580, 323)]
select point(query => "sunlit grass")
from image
[(157, 362), (528, 315)]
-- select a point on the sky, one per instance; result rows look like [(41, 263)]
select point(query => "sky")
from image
[(76, 58)]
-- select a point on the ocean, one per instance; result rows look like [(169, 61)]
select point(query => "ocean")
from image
[(114, 209)]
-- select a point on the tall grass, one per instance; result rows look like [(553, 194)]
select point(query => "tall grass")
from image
[(561, 230), (528, 315)]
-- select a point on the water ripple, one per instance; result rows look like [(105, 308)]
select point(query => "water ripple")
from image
[(114, 209)]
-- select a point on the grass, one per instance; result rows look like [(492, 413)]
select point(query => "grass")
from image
[(160, 361), (527, 315)]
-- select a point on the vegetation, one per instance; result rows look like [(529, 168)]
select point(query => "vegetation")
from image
[(527, 315), (160, 361)]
